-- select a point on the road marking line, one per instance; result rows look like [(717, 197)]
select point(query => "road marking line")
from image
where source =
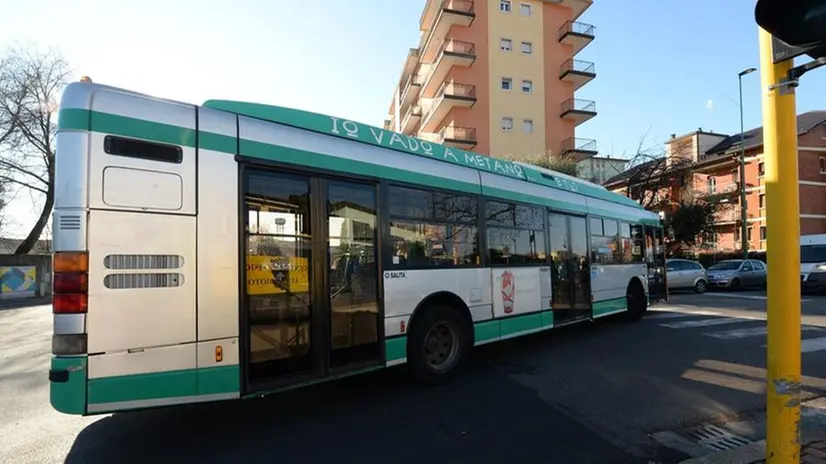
[(811, 345), (754, 332), (746, 297), (673, 315), (707, 322), (737, 333)]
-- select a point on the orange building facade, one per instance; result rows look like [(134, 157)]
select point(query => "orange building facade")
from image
[(498, 77), (713, 174)]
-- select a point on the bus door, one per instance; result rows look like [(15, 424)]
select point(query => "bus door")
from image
[(655, 260), (311, 305), (570, 268)]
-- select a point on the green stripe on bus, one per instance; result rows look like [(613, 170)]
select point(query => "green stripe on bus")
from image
[(79, 119), (317, 160), (217, 142), (395, 348), (518, 324), (169, 384), (486, 331), (69, 397), (526, 198), (73, 119), (609, 306)]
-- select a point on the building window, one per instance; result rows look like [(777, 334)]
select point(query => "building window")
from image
[(527, 125), (507, 124), (823, 165), (527, 48), (505, 45), (505, 6), (525, 9), (737, 235), (712, 185), (761, 169), (762, 200), (507, 83), (527, 86), (748, 234), (762, 233)]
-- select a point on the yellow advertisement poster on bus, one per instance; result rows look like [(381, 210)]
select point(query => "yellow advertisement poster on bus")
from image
[(271, 275)]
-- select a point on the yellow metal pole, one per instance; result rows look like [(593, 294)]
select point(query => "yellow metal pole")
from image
[(783, 246)]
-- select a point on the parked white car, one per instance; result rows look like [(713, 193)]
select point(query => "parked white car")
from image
[(685, 274)]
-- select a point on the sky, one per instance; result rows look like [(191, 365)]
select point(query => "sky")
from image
[(662, 67)]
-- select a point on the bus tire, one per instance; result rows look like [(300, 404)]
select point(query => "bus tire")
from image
[(438, 344), (635, 301)]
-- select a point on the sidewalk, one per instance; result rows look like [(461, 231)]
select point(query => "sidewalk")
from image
[(812, 453)]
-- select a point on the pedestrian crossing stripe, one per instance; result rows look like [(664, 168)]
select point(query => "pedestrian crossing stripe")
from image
[(670, 317)]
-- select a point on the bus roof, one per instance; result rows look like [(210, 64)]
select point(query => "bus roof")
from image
[(351, 130)]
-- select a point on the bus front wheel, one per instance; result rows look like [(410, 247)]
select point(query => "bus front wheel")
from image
[(439, 344)]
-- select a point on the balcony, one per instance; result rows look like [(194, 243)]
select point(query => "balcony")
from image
[(411, 119), (577, 34), (459, 137), (577, 110), (451, 53), (579, 149), (436, 22), (724, 194), (410, 89), (577, 71), (578, 6), (450, 95)]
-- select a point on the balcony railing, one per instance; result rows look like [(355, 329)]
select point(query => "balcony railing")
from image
[(728, 189), (457, 47), (574, 146), (440, 19), (457, 90), (459, 6), (577, 66), (575, 104), (575, 27), (458, 134)]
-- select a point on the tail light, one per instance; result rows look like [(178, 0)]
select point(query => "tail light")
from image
[(71, 282)]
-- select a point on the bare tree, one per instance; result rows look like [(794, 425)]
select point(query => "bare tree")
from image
[(30, 84), (657, 179), (564, 164)]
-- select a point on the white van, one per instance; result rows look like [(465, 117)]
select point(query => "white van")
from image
[(813, 262)]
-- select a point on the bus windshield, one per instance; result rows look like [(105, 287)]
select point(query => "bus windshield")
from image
[(813, 254)]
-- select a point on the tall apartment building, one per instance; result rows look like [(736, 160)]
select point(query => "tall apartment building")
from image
[(498, 77)]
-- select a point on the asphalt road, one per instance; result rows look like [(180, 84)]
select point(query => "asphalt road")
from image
[(590, 394)]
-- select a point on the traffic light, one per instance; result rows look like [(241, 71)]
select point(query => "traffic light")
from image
[(797, 26)]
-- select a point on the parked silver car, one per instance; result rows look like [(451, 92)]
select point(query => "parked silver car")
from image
[(685, 274), (737, 273)]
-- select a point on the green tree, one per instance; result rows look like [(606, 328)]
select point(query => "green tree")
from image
[(691, 223)]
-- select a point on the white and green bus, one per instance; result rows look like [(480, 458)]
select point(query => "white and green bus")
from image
[(234, 249)]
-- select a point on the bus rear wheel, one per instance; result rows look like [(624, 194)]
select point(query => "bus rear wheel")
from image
[(438, 344)]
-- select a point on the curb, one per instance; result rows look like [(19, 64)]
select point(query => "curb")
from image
[(745, 454), (19, 303)]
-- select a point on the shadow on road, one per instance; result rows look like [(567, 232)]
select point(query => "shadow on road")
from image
[(379, 417)]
